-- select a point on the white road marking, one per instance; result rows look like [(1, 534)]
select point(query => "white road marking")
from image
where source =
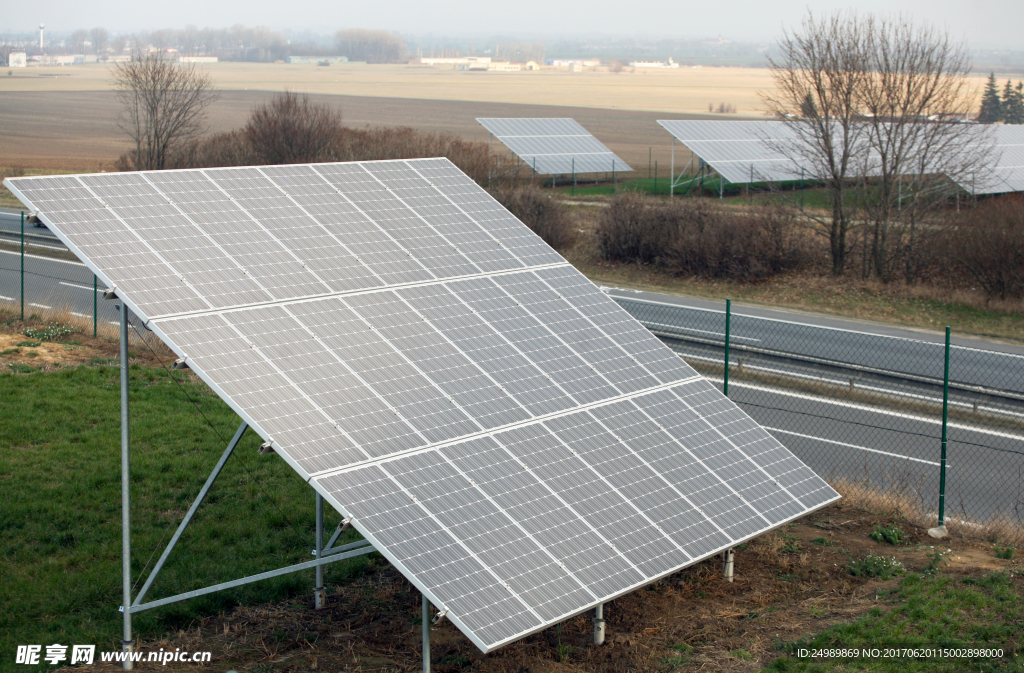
[(48, 259), (852, 446), (40, 305), (79, 286)]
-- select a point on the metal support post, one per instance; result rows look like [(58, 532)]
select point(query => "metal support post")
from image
[(655, 177), (191, 512), (614, 185), (728, 321), (728, 559), (940, 530), (650, 155), (490, 156), (672, 169), (599, 625), (23, 265), (573, 191), (319, 592), (95, 307), (126, 533), (425, 620)]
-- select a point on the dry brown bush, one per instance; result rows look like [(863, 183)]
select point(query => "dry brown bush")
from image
[(988, 246), (292, 129), (695, 238), (547, 217), (629, 230)]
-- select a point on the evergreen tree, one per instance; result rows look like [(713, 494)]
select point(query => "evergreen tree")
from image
[(1013, 103), (991, 106)]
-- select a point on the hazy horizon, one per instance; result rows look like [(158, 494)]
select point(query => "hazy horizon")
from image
[(987, 23)]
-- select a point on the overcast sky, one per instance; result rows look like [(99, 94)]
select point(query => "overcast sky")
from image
[(981, 22)]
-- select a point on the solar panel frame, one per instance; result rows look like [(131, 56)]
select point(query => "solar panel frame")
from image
[(279, 353), (554, 146), (1007, 172), (740, 151)]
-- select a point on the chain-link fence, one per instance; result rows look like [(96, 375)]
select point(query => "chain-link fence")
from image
[(869, 412), (42, 281)]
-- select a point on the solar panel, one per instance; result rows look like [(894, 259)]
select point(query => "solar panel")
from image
[(741, 151), (555, 146), (507, 436), (1007, 172)]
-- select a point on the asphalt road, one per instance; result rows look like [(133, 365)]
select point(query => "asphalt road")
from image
[(917, 355)]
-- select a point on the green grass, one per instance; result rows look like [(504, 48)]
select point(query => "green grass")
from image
[(60, 532), (926, 611)]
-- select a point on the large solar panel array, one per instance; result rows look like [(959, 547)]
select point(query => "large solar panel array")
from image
[(506, 435), (555, 146), (741, 151), (1007, 172)]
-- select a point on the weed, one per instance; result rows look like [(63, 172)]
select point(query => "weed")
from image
[(824, 542), (563, 652), (674, 661), (10, 351), (31, 344), (873, 565), (741, 654), (19, 368), (51, 332), (792, 548), (817, 611), (890, 534), (937, 558), (1004, 552)]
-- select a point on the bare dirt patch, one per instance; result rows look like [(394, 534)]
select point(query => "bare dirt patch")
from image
[(789, 583), (18, 351)]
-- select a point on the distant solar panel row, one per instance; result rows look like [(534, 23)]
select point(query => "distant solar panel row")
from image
[(555, 146), (1007, 172), (502, 431)]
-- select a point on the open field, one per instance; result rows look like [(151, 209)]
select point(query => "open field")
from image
[(77, 130), (680, 90)]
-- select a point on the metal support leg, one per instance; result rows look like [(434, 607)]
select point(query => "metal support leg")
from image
[(426, 635), (319, 593), (728, 558), (599, 625), (126, 519), (191, 511)]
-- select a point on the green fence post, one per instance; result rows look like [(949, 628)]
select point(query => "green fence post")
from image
[(614, 185), (655, 177), (945, 417), (573, 190), (728, 319), (95, 313), (23, 265)]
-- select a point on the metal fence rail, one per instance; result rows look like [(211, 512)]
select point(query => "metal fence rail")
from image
[(871, 411)]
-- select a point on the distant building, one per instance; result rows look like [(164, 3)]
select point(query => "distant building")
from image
[(119, 58), (316, 60), (531, 65), (16, 59), (504, 67), (197, 59), (567, 62), (654, 64)]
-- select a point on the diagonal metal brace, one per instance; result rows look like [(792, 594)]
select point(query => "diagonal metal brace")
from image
[(191, 512), (366, 549)]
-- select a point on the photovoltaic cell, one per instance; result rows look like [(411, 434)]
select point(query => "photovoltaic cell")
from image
[(555, 146), (502, 431), (741, 151)]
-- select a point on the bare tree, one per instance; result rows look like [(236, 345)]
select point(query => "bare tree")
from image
[(918, 83), (818, 75), (292, 129), (164, 107), (372, 46), (100, 38), (77, 41)]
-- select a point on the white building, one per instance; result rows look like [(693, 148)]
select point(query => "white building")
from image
[(16, 59), (654, 64), (197, 59)]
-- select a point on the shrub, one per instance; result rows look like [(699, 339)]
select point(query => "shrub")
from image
[(873, 565), (631, 229), (695, 238), (292, 129), (1004, 552), (988, 245), (890, 534), (50, 332), (548, 218)]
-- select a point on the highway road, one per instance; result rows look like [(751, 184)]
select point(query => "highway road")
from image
[(878, 436)]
